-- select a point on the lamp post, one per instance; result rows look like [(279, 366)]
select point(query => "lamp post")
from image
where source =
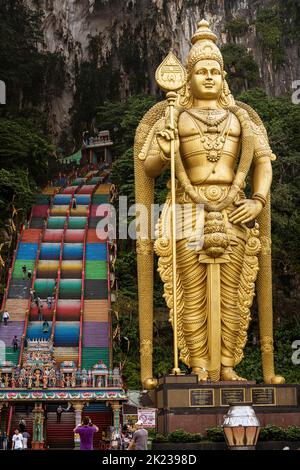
[(241, 427)]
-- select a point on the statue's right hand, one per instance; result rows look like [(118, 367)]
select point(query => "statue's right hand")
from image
[(164, 139)]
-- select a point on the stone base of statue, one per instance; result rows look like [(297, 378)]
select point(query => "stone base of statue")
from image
[(37, 445), (185, 403)]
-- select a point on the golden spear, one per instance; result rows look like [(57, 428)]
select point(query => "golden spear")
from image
[(171, 76)]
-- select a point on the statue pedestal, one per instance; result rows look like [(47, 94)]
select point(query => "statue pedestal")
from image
[(185, 403), (37, 445)]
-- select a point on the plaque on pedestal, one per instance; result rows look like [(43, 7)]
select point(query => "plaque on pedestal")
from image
[(263, 396), (231, 395), (202, 397)]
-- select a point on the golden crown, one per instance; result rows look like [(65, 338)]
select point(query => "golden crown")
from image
[(204, 46)]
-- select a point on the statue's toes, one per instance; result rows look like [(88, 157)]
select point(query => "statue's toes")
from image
[(277, 379)]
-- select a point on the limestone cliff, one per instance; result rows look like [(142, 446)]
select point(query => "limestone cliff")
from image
[(134, 35)]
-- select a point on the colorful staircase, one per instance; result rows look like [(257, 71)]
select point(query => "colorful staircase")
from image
[(69, 262), (16, 295)]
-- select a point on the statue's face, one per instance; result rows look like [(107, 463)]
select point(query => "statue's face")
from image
[(207, 80)]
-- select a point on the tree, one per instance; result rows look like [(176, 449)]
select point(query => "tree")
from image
[(22, 148)]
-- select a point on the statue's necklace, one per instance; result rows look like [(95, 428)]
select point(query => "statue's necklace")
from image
[(213, 145), (212, 118)]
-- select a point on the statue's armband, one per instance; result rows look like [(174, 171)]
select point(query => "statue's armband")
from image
[(262, 147)]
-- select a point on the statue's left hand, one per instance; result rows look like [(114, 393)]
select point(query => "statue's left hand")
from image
[(248, 210)]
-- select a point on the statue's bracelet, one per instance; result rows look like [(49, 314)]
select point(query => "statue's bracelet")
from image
[(260, 197), (164, 158)]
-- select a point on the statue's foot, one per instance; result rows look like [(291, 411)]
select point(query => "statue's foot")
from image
[(228, 374), (201, 373), (275, 379)]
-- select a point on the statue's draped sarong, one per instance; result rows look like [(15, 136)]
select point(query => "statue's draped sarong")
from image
[(238, 270)]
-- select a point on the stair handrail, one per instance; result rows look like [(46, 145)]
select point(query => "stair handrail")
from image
[(82, 298), (9, 421), (83, 285), (10, 271), (109, 303), (29, 299), (59, 269)]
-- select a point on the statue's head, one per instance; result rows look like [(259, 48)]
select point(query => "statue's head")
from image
[(206, 79), (205, 67)]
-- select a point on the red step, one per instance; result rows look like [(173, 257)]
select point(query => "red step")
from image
[(92, 237), (31, 235), (60, 435)]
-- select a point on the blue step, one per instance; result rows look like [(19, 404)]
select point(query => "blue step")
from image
[(96, 251), (27, 251)]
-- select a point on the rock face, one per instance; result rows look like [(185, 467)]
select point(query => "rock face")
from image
[(134, 35)]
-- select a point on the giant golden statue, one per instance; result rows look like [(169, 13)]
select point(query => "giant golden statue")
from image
[(216, 143)]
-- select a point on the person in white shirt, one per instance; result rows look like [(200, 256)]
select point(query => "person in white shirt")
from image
[(26, 436), (5, 317), (17, 440)]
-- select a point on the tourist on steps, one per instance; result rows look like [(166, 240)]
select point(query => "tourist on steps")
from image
[(49, 302), (45, 327), (86, 433), (59, 411), (4, 440), (15, 343), (5, 317), (24, 270), (26, 437), (40, 312), (22, 425), (17, 441)]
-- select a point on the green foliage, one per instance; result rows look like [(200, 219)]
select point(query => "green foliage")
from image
[(183, 436), (241, 67), (272, 433), (126, 341), (126, 273), (292, 433), (215, 434), (282, 120), (94, 84), (31, 76), (160, 438), (21, 148), (14, 191), (236, 26), (121, 118), (270, 32), (284, 334), (290, 19)]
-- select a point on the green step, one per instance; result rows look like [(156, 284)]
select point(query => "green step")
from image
[(56, 222), (95, 270), (70, 289), (17, 272), (11, 355), (90, 357), (77, 222), (78, 181), (100, 198), (44, 287), (42, 199), (94, 180)]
